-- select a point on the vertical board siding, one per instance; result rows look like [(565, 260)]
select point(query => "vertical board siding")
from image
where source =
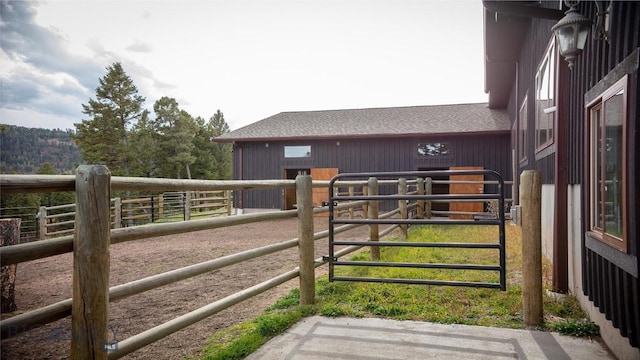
[(536, 41), (492, 152), (611, 289), (615, 293)]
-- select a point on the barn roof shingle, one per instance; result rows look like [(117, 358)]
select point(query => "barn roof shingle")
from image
[(374, 122)]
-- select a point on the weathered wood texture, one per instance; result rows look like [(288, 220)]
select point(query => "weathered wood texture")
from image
[(91, 266), (464, 184), (321, 194), (304, 197), (420, 190), (39, 249), (402, 205), (530, 200), (89, 319), (9, 235), (47, 183), (373, 209), (428, 190)]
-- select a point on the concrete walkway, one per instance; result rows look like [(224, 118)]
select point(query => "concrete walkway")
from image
[(318, 338)]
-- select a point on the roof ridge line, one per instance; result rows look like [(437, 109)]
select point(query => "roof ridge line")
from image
[(380, 108)]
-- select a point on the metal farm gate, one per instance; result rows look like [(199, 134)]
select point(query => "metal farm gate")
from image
[(490, 194)]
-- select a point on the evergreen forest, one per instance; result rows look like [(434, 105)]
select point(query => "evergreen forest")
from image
[(120, 132), (23, 150)]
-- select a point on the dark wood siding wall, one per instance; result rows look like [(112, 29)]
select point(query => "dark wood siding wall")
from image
[(615, 292), (610, 278), (256, 160), (598, 60), (535, 43)]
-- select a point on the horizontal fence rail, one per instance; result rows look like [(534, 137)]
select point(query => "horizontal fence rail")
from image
[(198, 195), (40, 249), (28, 220)]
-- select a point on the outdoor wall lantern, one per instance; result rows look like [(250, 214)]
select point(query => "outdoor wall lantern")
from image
[(571, 32)]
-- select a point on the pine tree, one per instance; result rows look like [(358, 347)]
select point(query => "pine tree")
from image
[(175, 130), (54, 198), (144, 143), (103, 139), (222, 152), (213, 160)]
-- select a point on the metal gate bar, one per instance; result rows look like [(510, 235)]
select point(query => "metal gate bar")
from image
[(335, 199)]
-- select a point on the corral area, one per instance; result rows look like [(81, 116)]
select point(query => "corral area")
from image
[(46, 281)]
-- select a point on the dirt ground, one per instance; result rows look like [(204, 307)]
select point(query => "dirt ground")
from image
[(46, 281)]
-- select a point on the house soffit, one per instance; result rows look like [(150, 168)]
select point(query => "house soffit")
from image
[(505, 26)]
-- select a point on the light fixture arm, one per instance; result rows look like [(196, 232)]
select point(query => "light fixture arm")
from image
[(603, 16)]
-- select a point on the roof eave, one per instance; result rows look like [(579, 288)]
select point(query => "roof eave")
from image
[(505, 25), (348, 137)]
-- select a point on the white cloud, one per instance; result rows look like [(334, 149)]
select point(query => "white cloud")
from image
[(140, 46), (252, 59)]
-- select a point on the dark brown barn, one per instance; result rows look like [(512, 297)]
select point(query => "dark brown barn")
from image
[(579, 127), (323, 143)]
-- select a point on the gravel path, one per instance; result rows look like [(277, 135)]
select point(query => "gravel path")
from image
[(46, 281)]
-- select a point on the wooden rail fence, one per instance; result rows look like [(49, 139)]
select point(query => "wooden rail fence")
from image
[(56, 221), (90, 245)]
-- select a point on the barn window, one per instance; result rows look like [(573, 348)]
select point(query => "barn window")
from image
[(546, 98), (607, 117), (297, 151), (433, 149)]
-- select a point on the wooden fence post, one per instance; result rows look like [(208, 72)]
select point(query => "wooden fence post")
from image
[(9, 235), (402, 205), (304, 198), (428, 183), (42, 223), (117, 213), (351, 193), (187, 205), (229, 202), (420, 203), (365, 206), (374, 207), (89, 311), (161, 207), (530, 200)]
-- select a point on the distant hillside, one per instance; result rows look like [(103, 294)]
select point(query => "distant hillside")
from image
[(23, 150)]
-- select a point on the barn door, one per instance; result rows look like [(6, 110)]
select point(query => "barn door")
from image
[(321, 194), (466, 184), (290, 200)]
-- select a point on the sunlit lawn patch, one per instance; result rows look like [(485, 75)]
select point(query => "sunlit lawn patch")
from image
[(441, 304)]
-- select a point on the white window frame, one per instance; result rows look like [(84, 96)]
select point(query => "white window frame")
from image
[(546, 99), (522, 134)]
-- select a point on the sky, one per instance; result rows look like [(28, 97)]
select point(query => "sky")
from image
[(248, 58)]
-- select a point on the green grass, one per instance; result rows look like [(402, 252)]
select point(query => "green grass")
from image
[(241, 340), (440, 304)]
